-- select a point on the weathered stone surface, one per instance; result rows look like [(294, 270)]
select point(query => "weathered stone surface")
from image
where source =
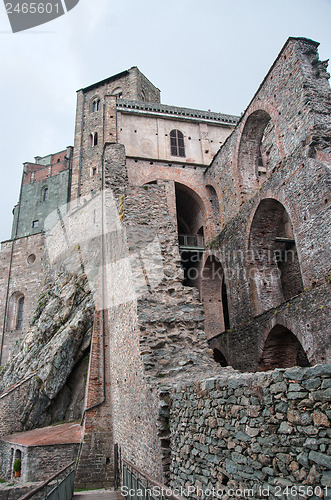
[(286, 447), (53, 350)]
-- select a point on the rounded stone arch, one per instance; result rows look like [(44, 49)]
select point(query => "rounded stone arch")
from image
[(214, 296), (118, 92), (251, 151), (190, 207), (95, 103), (281, 349), (15, 311), (272, 261), (219, 357), (44, 193)]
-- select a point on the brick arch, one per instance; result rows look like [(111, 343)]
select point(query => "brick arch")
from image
[(190, 179), (13, 310), (93, 100), (273, 266), (193, 187), (219, 357), (248, 152), (192, 194), (281, 349)]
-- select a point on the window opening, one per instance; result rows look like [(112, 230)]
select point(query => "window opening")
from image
[(20, 311), (177, 143)]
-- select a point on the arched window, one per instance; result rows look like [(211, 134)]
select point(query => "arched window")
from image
[(94, 139), (96, 106), (45, 194), (177, 143), (213, 198), (15, 312), (20, 310)]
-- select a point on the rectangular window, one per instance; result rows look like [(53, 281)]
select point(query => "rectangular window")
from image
[(94, 171), (35, 223)]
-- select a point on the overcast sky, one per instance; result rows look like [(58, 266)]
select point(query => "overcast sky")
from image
[(205, 54)]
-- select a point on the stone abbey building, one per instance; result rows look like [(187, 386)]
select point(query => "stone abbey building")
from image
[(181, 312)]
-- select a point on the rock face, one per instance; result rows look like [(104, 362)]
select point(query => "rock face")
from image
[(55, 351)]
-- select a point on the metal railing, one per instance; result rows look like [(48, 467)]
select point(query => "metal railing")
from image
[(17, 384), (190, 241), (58, 487), (140, 486)]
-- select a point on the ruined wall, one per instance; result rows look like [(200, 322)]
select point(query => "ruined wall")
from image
[(153, 330), (292, 105), (252, 431), (155, 338), (295, 98)]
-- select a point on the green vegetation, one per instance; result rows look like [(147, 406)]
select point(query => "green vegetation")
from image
[(17, 465)]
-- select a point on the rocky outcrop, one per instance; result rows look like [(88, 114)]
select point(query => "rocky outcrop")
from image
[(55, 350)]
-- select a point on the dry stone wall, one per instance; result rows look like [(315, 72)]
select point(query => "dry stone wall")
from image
[(264, 433)]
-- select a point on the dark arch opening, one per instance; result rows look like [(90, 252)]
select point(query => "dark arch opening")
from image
[(190, 222), (282, 349), (219, 357), (251, 151), (274, 268)]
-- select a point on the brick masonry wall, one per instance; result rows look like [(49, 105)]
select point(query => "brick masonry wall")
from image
[(248, 431), (104, 123), (26, 279), (153, 330), (296, 96)]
